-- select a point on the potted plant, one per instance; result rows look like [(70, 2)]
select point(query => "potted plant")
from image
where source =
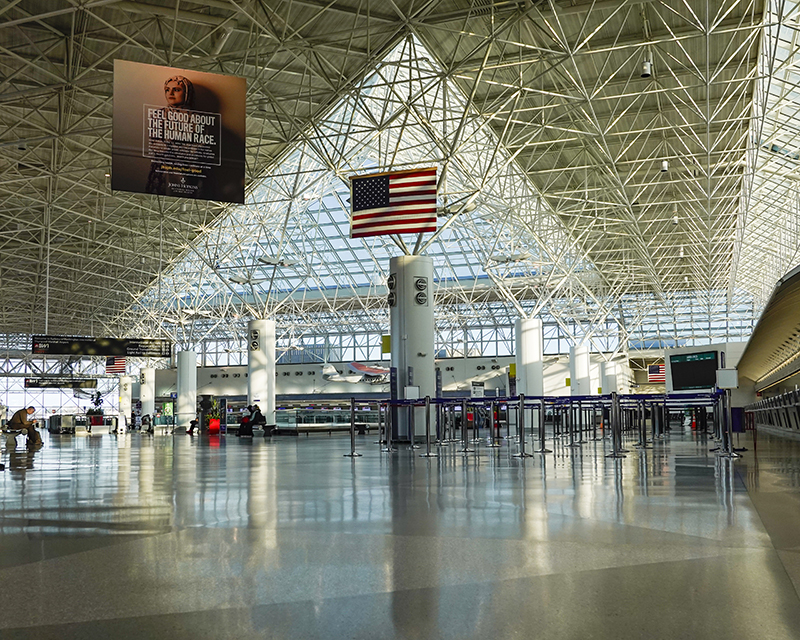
[(213, 416), (95, 412)]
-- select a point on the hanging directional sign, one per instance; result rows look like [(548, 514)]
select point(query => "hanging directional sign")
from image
[(81, 346)]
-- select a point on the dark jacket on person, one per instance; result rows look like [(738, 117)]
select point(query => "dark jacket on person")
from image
[(19, 421), (257, 418)]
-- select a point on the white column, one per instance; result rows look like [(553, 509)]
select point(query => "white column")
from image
[(411, 321), (530, 356), (609, 377), (261, 367), (186, 406), (147, 391), (595, 377), (125, 403), (579, 370)]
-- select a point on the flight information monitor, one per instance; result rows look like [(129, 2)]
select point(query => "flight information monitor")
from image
[(694, 370)]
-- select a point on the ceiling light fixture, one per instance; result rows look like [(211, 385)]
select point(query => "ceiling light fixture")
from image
[(647, 67)]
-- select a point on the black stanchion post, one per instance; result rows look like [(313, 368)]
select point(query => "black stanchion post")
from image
[(428, 453), (352, 453), (542, 414), (389, 448), (412, 425), (464, 435), (494, 422), (440, 428), (380, 426), (571, 420), (521, 428), (616, 435)]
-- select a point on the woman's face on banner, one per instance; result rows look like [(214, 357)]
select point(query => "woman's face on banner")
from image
[(175, 94)]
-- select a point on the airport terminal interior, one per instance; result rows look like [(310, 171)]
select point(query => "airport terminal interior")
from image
[(513, 283)]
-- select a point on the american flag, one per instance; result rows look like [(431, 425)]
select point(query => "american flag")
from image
[(387, 203), (115, 364), (656, 373)]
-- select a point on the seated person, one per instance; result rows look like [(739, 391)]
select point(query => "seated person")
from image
[(257, 418), (192, 427), (19, 422)]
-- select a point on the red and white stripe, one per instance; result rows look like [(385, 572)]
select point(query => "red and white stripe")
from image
[(656, 373), (412, 207)]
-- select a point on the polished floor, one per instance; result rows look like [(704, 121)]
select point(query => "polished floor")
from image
[(159, 537)]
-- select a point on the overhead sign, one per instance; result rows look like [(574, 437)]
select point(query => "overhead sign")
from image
[(78, 346), (178, 132), (60, 382)]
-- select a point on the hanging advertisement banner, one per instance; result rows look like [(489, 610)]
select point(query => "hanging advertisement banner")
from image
[(178, 132)]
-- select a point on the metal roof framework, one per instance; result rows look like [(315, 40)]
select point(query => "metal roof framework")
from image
[(549, 142)]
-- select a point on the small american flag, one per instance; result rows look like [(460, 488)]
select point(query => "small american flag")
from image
[(656, 373), (387, 203), (115, 364)]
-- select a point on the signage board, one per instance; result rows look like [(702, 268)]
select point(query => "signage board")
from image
[(60, 382), (82, 346)]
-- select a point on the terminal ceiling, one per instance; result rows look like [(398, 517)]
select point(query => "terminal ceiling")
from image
[(550, 147)]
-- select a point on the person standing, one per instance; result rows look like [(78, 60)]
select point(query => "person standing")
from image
[(19, 422)]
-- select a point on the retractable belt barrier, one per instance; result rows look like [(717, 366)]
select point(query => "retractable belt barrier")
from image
[(574, 418)]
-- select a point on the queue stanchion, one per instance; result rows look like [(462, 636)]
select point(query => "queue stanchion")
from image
[(521, 429), (464, 434), (412, 426), (571, 421), (428, 453), (616, 435), (388, 438), (454, 437), (352, 453), (494, 428), (440, 426), (594, 422), (653, 420), (380, 426), (729, 453), (645, 443), (542, 414)]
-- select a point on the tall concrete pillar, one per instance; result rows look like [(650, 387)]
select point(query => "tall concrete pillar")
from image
[(125, 402), (411, 320), (529, 340), (579, 370), (261, 367), (186, 407), (147, 391), (609, 377)]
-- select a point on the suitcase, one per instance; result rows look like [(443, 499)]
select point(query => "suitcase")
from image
[(245, 429)]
